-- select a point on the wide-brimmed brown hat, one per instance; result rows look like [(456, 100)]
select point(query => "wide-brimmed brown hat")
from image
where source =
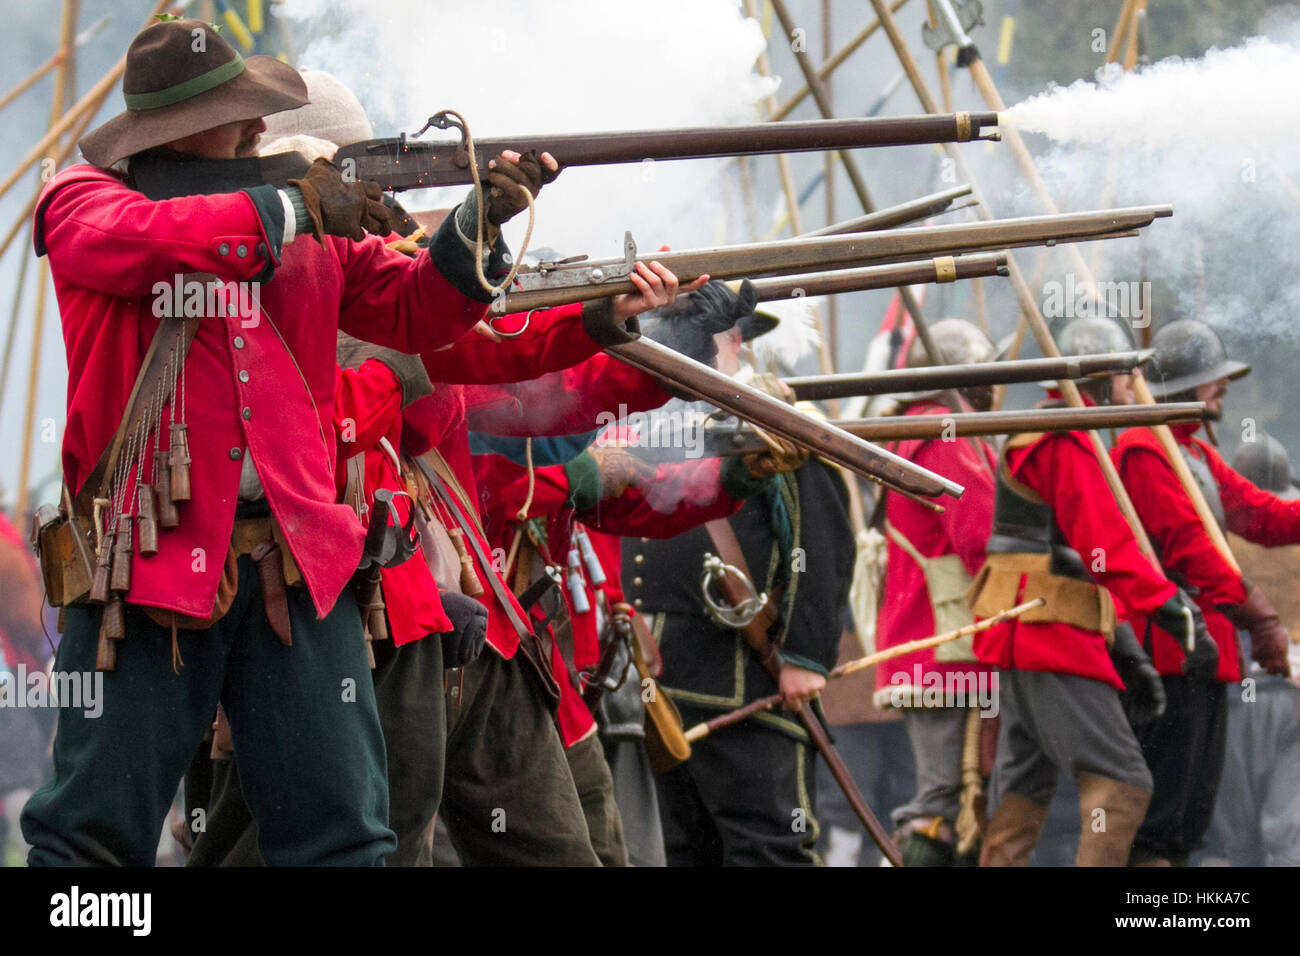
[(182, 78)]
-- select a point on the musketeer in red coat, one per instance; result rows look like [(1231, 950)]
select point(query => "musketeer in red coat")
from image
[(1185, 747), (1058, 533), (210, 611), (932, 560)]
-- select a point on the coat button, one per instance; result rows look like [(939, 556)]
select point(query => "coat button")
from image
[(241, 250), (639, 559), (236, 454), (637, 582), (223, 249), (247, 413), (637, 602), (243, 375), (239, 341), (645, 540)]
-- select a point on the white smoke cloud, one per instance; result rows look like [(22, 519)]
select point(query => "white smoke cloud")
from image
[(586, 65), (1215, 137)]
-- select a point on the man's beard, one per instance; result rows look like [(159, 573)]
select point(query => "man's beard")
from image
[(247, 147)]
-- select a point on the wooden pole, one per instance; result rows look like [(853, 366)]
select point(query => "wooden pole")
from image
[(67, 32), (832, 302), (31, 80), (862, 663), (1023, 294), (1122, 25), (831, 64), (1184, 472), (94, 95), (855, 176)]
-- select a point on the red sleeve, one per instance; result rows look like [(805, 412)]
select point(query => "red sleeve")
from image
[(1062, 469), (680, 496), (115, 240), (1250, 511), (967, 521), (509, 487), (397, 300), (592, 394), (367, 403), (1173, 524), (555, 339)]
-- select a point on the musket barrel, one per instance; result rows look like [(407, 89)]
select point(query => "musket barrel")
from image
[(895, 381), (398, 164), (973, 424), (562, 283), (947, 269), (894, 216), (961, 425)]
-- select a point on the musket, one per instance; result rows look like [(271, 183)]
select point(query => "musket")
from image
[(937, 377), (685, 375), (404, 162), (665, 442), (941, 269), (731, 717), (894, 216), (577, 278)]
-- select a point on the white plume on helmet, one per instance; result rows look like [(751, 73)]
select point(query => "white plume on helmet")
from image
[(794, 339)]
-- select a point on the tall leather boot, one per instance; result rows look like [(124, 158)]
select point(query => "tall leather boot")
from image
[(1013, 832), (1108, 841)]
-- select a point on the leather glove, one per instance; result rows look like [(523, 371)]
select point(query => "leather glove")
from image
[(1268, 638), (619, 469), (601, 323), (1144, 692), (469, 620), (339, 208), (507, 180), (778, 459), (1180, 617), (689, 324)]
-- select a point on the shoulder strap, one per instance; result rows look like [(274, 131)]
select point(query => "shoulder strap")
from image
[(897, 537), (431, 463)]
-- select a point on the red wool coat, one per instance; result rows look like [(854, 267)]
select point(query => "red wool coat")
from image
[(963, 529), (1063, 470), (1185, 548), (369, 407), (698, 496), (264, 383)]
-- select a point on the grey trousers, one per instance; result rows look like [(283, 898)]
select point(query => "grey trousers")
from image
[(936, 735), (1059, 723), (638, 801), (1257, 816)]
